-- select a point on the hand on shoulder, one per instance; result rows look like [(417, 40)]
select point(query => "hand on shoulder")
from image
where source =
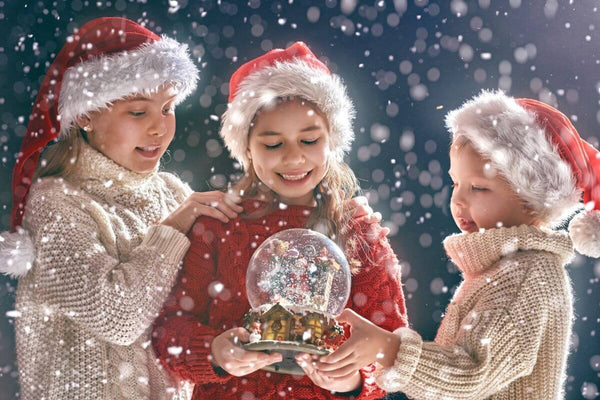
[(215, 204)]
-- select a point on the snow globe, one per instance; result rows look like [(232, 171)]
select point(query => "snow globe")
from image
[(297, 282)]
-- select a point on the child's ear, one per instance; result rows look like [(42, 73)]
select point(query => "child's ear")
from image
[(83, 122)]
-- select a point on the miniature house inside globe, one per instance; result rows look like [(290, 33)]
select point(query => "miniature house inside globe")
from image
[(297, 282)]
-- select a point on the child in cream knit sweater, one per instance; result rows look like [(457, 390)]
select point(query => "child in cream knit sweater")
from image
[(518, 168), (109, 230)]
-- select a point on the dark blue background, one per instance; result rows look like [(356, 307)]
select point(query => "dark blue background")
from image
[(536, 49)]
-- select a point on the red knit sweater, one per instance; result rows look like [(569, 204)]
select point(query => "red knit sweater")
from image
[(195, 312)]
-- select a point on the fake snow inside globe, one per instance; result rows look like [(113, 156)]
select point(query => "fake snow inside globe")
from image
[(297, 282)]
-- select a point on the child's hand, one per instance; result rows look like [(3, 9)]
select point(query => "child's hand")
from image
[(360, 210), (340, 384), (359, 207), (219, 205), (367, 344), (228, 354)]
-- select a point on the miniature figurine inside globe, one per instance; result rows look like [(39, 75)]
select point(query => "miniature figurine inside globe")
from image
[(297, 282)]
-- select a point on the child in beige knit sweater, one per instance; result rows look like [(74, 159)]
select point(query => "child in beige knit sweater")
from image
[(109, 230), (518, 168)]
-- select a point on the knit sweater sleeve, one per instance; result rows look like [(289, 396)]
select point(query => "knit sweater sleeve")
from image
[(376, 292), (77, 276), (497, 343), (181, 335)]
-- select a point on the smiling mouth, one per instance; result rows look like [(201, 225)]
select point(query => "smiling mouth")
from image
[(294, 177), (148, 151), (148, 148)]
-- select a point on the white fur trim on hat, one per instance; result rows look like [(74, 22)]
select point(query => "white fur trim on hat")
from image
[(96, 83), (288, 79), (508, 135), (17, 253)]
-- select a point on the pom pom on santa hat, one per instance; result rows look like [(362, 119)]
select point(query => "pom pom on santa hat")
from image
[(584, 230), (539, 152), (17, 253), (293, 72)]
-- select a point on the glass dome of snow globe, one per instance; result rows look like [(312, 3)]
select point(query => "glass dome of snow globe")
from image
[(297, 282), (299, 269)]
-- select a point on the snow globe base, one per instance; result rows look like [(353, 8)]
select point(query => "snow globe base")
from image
[(288, 351)]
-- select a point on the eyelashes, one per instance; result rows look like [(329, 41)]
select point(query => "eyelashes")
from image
[(165, 111), (473, 188), (309, 142), (277, 145)]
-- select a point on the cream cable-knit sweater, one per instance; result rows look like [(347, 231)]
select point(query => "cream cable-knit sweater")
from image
[(103, 269), (505, 334)]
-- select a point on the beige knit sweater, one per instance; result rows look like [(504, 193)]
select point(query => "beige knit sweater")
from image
[(103, 269), (505, 334)]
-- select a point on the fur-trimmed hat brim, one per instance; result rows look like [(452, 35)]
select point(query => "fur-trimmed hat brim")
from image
[(509, 136), (96, 83), (288, 79)]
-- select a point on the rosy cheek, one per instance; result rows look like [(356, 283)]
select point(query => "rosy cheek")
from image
[(452, 202), (172, 123), (322, 156), (258, 170), (262, 169)]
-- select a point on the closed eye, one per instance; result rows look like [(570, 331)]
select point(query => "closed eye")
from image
[(137, 113), (272, 146), (169, 107), (473, 188), (309, 142)]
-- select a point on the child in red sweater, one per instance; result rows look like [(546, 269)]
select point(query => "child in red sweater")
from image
[(289, 125)]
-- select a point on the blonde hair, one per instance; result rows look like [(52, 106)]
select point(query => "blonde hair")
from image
[(60, 158), (331, 194)]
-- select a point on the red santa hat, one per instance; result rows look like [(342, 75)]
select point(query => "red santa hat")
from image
[(539, 152), (293, 72), (105, 60)]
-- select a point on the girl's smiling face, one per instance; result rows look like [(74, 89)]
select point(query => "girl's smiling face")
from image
[(289, 149), (134, 132), (481, 198)]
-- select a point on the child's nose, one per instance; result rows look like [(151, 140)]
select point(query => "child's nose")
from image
[(293, 155), (158, 126), (457, 198)]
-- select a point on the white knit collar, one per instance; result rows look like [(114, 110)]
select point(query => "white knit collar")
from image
[(93, 166), (475, 252)]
